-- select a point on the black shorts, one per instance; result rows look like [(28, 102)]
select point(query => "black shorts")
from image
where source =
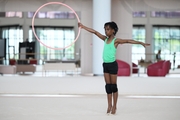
[(111, 68)]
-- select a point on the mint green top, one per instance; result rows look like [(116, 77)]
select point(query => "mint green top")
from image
[(109, 51)]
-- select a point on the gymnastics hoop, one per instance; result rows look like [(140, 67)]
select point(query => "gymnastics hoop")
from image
[(49, 3)]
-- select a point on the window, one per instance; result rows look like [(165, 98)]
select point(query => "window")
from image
[(53, 14), (11, 14), (139, 14), (166, 14), (138, 52), (54, 37), (167, 38), (13, 35), (14, 14)]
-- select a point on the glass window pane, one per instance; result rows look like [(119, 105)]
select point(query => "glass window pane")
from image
[(139, 14), (56, 38), (166, 14), (138, 52), (53, 14), (13, 35), (168, 40)]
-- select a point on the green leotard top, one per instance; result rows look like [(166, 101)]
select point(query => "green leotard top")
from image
[(109, 51)]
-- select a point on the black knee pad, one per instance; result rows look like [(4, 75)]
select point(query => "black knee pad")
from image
[(108, 88), (114, 88)]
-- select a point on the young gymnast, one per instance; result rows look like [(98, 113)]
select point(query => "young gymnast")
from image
[(110, 66)]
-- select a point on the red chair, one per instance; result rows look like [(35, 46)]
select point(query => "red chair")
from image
[(12, 62), (33, 61), (169, 66), (123, 68), (134, 70), (158, 69)]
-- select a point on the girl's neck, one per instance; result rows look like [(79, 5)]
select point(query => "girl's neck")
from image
[(111, 37)]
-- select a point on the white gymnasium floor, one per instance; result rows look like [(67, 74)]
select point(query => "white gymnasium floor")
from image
[(65, 97)]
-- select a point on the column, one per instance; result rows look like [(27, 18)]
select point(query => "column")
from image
[(122, 15), (149, 39), (86, 38), (101, 15), (25, 27)]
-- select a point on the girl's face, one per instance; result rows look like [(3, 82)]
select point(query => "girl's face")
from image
[(108, 31)]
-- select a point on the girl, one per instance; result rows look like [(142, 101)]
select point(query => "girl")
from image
[(110, 66)]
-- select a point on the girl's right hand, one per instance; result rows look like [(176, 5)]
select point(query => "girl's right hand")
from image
[(80, 25)]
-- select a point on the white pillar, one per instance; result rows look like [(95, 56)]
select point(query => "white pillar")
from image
[(122, 15), (86, 38), (149, 39), (101, 15), (25, 27)]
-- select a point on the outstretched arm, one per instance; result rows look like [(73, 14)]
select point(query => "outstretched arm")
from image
[(123, 41), (103, 37)]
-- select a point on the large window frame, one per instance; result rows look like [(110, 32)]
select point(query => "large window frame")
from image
[(13, 35), (55, 37), (167, 39)]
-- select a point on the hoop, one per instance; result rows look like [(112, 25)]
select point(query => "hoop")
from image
[(79, 29)]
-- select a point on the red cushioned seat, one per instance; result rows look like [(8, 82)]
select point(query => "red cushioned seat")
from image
[(158, 69), (134, 70), (123, 68), (33, 61), (12, 62)]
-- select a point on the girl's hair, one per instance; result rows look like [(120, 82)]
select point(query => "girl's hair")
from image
[(112, 25)]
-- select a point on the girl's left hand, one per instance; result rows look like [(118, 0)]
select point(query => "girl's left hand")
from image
[(145, 44)]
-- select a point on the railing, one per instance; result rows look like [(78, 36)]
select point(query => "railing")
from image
[(149, 57)]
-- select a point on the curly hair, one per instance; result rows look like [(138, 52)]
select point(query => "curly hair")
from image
[(112, 25)]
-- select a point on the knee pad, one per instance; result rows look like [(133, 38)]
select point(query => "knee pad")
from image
[(114, 88), (108, 88)]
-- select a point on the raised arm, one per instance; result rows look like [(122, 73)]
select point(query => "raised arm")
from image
[(103, 37), (123, 41)]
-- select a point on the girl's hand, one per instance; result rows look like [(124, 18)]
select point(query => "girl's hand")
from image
[(80, 25), (145, 44)]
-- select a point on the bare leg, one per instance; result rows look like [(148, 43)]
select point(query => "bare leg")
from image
[(115, 95), (109, 96)]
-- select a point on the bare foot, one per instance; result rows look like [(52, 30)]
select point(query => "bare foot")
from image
[(113, 110), (109, 109)]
